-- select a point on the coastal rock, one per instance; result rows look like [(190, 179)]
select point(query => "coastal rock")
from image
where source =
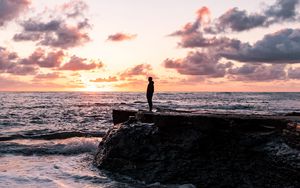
[(205, 150)]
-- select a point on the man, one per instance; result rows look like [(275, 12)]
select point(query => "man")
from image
[(150, 91)]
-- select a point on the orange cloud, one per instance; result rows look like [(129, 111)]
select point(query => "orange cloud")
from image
[(138, 70), (204, 15), (121, 37), (109, 79), (77, 63)]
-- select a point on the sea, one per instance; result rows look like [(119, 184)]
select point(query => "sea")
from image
[(49, 139)]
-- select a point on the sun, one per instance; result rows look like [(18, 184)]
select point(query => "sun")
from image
[(95, 88), (91, 88)]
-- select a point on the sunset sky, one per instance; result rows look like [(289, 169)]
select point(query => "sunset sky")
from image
[(185, 45)]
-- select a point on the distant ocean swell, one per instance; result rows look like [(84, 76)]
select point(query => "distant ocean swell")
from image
[(52, 136), (71, 146)]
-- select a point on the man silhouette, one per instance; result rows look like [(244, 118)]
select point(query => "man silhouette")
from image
[(150, 91)]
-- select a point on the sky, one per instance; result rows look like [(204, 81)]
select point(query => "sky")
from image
[(115, 45)]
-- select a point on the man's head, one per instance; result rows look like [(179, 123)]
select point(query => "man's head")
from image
[(150, 79)]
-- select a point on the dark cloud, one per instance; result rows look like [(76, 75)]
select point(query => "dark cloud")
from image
[(64, 31), (118, 37), (283, 10), (197, 63), (10, 9), (197, 40), (239, 20), (37, 26), (27, 37), (258, 72), (77, 64), (109, 79), (280, 47)]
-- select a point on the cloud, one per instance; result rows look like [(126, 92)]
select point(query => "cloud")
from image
[(258, 72), (9, 64), (76, 64), (10, 9), (109, 79), (14, 84), (43, 59), (56, 60), (197, 63), (64, 31), (21, 70), (118, 37), (66, 37), (51, 76), (138, 70), (280, 47), (239, 20), (7, 83), (197, 40), (283, 10), (74, 8), (203, 15), (294, 73), (264, 60)]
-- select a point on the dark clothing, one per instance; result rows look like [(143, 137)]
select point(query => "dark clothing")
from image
[(150, 88), (150, 91)]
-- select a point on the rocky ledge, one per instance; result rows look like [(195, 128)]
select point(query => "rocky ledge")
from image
[(206, 150)]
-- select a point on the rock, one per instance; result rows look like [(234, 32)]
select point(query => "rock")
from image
[(293, 114), (120, 116), (202, 150), (292, 134)]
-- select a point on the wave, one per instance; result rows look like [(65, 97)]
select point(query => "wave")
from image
[(70, 146), (52, 136)]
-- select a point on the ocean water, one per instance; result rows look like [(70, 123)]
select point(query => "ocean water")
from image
[(48, 139)]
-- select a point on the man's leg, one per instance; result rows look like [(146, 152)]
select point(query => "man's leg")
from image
[(150, 103), (149, 98)]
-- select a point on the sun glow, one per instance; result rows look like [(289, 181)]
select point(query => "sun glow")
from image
[(91, 88), (205, 19), (97, 88)]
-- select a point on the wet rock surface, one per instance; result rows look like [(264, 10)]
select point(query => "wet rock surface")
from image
[(207, 151)]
